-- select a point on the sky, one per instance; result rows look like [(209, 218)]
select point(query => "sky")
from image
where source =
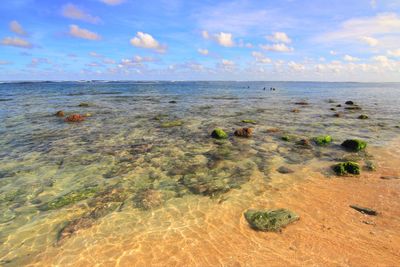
[(281, 40)]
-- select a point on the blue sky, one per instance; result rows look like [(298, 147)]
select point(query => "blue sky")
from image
[(337, 40)]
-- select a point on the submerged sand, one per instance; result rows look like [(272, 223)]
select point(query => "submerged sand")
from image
[(213, 232)]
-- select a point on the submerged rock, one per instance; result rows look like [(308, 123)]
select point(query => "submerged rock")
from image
[(249, 121), (69, 198), (370, 166), (348, 167), (323, 140), (353, 108), (83, 105), (75, 118), (270, 220), (338, 115), (364, 210), (302, 103), (304, 143), (244, 132), (169, 124), (172, 102), (218, 133), (285, 170), (363, 117), (60, 113), (354, 144), (286, 138), (148, 199), (295, 110), (349, 103)]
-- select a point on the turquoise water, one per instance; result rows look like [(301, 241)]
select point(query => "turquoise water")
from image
[(123, 159)]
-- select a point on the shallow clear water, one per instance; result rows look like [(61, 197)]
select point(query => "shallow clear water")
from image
[(121, 164)]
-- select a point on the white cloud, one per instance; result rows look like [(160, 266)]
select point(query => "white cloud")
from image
[(75, 31), (227, 65), (16, 41), (333, 53), (277, 48), (94, 54), (73, 12), (279, 37), (223, 38), (17, 28), (369, 40), (203, 51), (373, 3), (261, 58), (112, 2), (381, 59), (356, 28), (136, 61), (349, 58), (4, 62), (145, 40), (296, 66), (394, 53)]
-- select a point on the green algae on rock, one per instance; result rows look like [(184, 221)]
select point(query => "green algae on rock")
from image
[(270, 220), (354, 144), (169, 124), (286, 138), (69, 198), (249, 121), (323, 140), (218, 133), (348, 167), (84, 105)]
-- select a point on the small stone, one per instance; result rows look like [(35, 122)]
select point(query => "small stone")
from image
[(364, 210), (60, 113), (302, 103), (172, 102), (349, 103), (244, 132), (75, 118), (270, 220), (295, 110), (83, 105), (338, 115), (218, 133), (354, 144), (285, 170), (333, 109), (363, 117), (338, 106)]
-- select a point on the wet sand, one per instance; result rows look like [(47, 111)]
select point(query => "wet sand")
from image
[(213, 232)]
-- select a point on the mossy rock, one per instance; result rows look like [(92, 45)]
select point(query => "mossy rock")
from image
[(354, 144), (69, 198), (323, 140), (363, 117), (286, 138), (348, 167), (84, 105), (218, 133), (249, 121), (169, 124), (270, 220)]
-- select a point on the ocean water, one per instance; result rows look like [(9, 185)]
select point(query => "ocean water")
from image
[(125, 181)]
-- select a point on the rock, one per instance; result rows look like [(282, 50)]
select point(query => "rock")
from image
[(364, 210), (338, 115), (83, 105), (218, 133), (244, 132), (286, 138), (323, 140), (338, 106), (302, 103), (333, 109), (86, 115), (295, 110), (354, 144), (169, 124), (160, 117), (172, 102), (249, 121), (390, 177), (273, 130), (348, 167), (304, 143), (60, 113), (75, 118), (285, 170), (270, 220), (349, 103), (363, 117), (353, 108)]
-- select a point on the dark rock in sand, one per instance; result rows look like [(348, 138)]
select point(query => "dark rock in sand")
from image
[(60, 113), (83, 105), (348, 167), (363, 117), (244, 132), (75, 118), (302, 103), (295, 110), (285, 170), (338, 106), (364, 210), (353, 108), (354, 145), (349, 103), (270, 220), (304, 143), (172, 102), (390, 177), (333, 109)]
